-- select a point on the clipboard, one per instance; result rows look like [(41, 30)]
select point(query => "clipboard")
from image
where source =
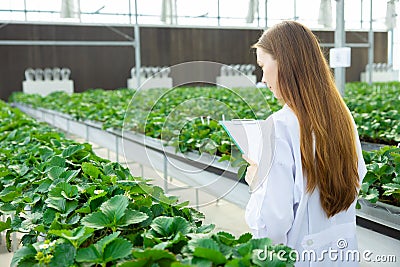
[(247, 134)]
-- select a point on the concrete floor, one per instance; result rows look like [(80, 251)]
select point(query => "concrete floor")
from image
[(230, 217)]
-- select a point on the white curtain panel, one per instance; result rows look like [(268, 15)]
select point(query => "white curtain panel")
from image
[(69, 9), (325, 13), (391, 15), (168, 12), (251, 12)]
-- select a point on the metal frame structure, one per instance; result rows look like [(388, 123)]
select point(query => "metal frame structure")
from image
[(135, 42), (340, 39), (133, 16)]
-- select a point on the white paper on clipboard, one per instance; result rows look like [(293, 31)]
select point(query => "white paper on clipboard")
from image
[(251, 136)]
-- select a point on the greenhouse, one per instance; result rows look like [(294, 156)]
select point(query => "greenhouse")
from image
[(199, 133)]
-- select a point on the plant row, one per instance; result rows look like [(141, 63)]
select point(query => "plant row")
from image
[(187, 118), (167, 114), (376, 110), (73, 208)]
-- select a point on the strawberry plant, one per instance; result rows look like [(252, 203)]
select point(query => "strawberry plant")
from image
[(376, 110), (382, 181), (169, 115), (73, 208)]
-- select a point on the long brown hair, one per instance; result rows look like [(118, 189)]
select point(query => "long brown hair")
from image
[(306, 85)]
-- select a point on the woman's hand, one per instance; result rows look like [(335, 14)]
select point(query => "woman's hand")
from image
[(251, 170)]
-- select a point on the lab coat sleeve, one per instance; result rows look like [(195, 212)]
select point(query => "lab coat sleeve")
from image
[(270, 209)]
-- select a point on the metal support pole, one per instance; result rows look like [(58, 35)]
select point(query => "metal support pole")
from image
[(165, 173), (218, 14), (340, 40), (25, 11), (390, 48), (79, 11), (130, 11), (137, 55), (116, 149), (361, 15), (197, 199), (294, 10), (371, 46), (136, 13)]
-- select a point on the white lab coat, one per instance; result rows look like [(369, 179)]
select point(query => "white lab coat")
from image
[(281, 209)]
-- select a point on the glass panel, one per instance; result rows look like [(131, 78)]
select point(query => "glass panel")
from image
[(12, 4), (307, 12), (147, 14), (277, 14), (352, 14), (105, 18), (12, 10), (378, 14), (44, 5), (12, 16), (233, 14), (194, 12)]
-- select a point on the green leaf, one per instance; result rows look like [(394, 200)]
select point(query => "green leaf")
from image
[(372, 196), (242, 171), (90, 170), (226, 238), (203, 243), (49, 216), (7, 208), (71, 150), (44, 185), (62, 205), (132, 217), (84, 209), (117, 249), (89, 254), (244, 249), (45, 153), (244, 238), (154, 254), (102, 243), (115, 207), (64, 190), (210, 254), (57, 161), (225, 158), (260, 243), (55, 172), (204, 229), (391, 189), (63, 255), (23, 253), (76, 236), (96, 220), (170, 226), (69, 175), (5, 225), (9, 193)]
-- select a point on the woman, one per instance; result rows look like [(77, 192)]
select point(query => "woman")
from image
[(306, 196)]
